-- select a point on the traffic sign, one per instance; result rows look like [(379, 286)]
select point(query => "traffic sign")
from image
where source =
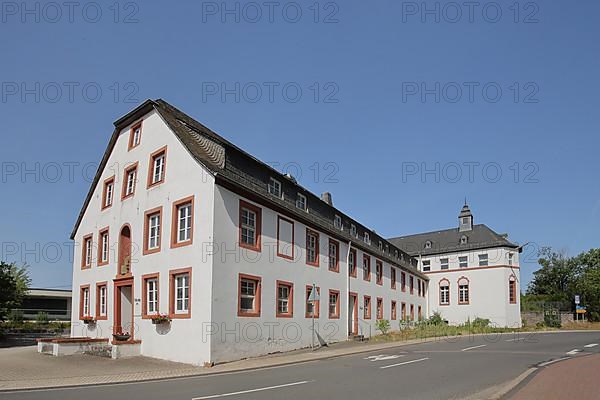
[(576, 299)]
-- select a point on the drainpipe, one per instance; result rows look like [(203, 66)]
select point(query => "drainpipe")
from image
[(348, 286)]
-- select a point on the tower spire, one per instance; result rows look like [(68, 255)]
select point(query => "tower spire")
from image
[(465, 218)]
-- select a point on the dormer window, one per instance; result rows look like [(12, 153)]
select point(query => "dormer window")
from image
[(428, 244), (396, 253), (387, 248), (301, 202), (366, 238), (135, 136), (274, 187), (353, 230), (380, 245), (464, 239), (337, 222)]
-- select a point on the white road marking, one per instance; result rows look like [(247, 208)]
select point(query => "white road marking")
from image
[(251, 390), (474, 347), (382, 357), (553, 361), (515, 339), (591, 345), (573, 352), (404, 363)]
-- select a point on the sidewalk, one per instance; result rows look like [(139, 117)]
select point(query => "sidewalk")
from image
[(24, 368), (576, 378)]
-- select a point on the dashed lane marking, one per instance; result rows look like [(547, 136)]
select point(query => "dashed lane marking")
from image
[(591, 345), (404, 363), (251, 390), (382, 357), (474, 347), (573, 352)]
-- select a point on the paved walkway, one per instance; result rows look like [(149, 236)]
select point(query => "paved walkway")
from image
[(575, 378), (24, 368)]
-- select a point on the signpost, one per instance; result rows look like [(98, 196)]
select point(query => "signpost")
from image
[(312, 299)]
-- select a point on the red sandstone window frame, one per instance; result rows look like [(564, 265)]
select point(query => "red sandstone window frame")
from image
[(367, 306), (84, 251), (353, 273), (367, 275), (512, 289), (255, 312), (379, 308), (145, 279), (257, 226), (393, 277), (412, 312), (82, 290), (279, 254), (403, 280), (290, 300), (317, 304), (160, 152), (130, 143), (379, 272), (335, 315), (173, 274), (101, 233), (394, 309), (463, 281), (99, 286), (411, 283), (147, 216), (175, 243), (107, 182), (444, 283), (310, 232), (128, 170), (403, 311), (336, 267)]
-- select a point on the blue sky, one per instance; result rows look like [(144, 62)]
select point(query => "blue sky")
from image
[(501, 102)]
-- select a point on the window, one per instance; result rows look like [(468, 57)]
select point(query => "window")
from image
[(84, 301), (108, 192), (337, 222), (463, 239), (393, 277), (152, 230), (378, 272), (444, 292), (150, 295), (426, 265), (86, 255), (301, 202), (249, 296), (443, 263), (428, 244), (353, 230), (420, 313), (512, 290), (366, 267), (334, 256), (312, 248), (396, 253), (379, 308), (285, 238), (285, 299), (157, 167), (367, 307), (312, 306), (403, 281), (483, 260), (352, 263), (380, 246), (510, 259), (182, 229), (403, 311), (463, 291), (135, 135), (394, 311), (101, 299), (103, 247), (129, 181), (463, 262), (366, 238), (180, 294), (274, 187), (387, 249), (412, 312), (412, 284), (334, 304), (418, 287), (250, 226)]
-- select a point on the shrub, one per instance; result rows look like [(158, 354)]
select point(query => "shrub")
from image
[(383, 325), (436, 319), (480, 322), (15, 317), (42, 318)]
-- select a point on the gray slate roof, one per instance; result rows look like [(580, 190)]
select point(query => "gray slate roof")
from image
[(449, 240), (235, 169)]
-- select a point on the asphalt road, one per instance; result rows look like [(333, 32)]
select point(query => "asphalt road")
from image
[(448, 369)]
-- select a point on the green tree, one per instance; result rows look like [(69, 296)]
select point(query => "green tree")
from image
[(14, 284)]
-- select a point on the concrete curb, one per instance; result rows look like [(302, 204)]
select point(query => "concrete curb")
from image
[(252, 364)]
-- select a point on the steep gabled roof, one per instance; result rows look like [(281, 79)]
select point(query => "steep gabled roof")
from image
[(449, 240), (236, 169)]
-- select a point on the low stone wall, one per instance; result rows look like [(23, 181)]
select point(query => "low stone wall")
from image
[(532, 318)]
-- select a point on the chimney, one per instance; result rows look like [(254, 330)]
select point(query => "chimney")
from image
[(326, 197)]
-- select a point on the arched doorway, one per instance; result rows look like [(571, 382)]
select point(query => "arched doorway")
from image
[(124, 264)]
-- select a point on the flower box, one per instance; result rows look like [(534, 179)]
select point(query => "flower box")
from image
[(88, 320), (121, 337), (160, 319)]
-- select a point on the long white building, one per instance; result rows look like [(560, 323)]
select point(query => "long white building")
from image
[(195, 251), (473, 272)]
